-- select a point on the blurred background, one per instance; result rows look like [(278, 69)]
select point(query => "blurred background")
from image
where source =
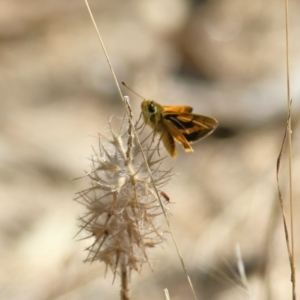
[(226, 58)]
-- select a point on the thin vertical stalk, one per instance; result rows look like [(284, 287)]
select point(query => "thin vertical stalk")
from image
[(289, 135)]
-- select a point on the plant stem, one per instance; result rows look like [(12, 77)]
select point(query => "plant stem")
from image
[(124, 283)]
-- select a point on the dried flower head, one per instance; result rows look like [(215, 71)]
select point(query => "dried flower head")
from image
[(123, 213)]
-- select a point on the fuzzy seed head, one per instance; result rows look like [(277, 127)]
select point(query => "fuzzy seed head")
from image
[(124, 217)]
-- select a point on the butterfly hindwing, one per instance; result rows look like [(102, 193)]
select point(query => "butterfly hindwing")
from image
[(169, 143), (177, 134)]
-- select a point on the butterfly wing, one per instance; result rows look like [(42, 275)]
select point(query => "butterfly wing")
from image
[(169, 143), (187, 128), (176, 133), (177, 109), (195, 127)]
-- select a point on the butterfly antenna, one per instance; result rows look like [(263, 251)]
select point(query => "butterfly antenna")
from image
[(132, 90)]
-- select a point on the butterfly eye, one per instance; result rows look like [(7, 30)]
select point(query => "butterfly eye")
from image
[(151, 108)]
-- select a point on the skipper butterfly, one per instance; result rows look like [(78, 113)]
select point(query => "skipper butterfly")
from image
[(176, 123)]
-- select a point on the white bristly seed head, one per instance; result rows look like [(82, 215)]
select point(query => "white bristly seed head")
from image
[(123, 217)]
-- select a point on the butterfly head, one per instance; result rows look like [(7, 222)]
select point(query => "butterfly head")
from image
[(148, 109), (152, 113)]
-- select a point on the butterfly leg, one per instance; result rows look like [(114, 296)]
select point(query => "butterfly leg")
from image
[(137, 122)]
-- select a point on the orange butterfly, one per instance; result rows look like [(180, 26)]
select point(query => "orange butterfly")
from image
[(176, 123)]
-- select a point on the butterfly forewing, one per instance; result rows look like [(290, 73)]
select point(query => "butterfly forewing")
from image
[(192, 127), (177, 109)]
